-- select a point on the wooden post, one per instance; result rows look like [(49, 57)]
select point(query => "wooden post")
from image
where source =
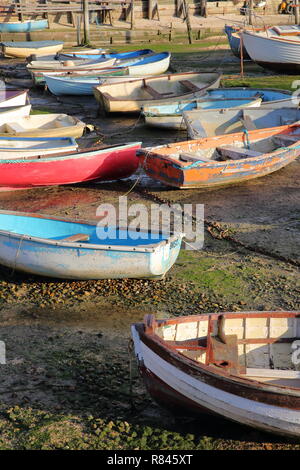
[(78, 23), (187, 19), (20, 15), (132, 15), (250, 11), (296, 11), (86, 23)]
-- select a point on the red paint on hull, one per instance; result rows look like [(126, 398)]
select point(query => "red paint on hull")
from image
[(75, 167)]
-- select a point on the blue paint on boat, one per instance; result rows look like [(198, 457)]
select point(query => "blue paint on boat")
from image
[(35, 244), (23, 26)]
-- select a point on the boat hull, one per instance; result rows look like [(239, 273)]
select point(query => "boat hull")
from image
[(73, 167), (210, 123), (235, 42), (24, 50), (215, 173), (79, 262), (276, 54), (123, 102), (9, 98), (178, 382), (23, 26), (176, 121)]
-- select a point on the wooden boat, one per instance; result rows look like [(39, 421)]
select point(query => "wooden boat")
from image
[(209, 123), (24, 49), (131, 96), (271, 97), (43, 125), (14, 112), (22, 26), (72, 249), (103, 163), (237, 365), (274, 49), (12, 97), (224, 159), (169, 115), (20, 148), (69, 65), (234, 40)]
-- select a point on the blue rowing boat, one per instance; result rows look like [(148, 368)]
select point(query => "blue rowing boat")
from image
[(23, 26), (72, 249)]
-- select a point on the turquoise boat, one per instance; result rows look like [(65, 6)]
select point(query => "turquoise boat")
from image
[(23, 26), (72, 249), (234, 40)]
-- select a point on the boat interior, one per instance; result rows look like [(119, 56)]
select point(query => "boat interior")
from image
[(264, 347), (236, 148)]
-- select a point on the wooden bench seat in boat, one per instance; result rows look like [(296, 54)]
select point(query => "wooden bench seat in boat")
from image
[(189, 85), (236, 153), (190, 157), (78, 237)]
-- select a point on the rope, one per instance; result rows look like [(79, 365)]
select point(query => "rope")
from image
[(141, 167), (130, 348), (126, 131)]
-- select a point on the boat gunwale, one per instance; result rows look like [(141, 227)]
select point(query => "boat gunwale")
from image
[(190, 366), (151, 248), (122, 99)]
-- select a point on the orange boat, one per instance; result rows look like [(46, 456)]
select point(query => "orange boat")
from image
[(224, 159)]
